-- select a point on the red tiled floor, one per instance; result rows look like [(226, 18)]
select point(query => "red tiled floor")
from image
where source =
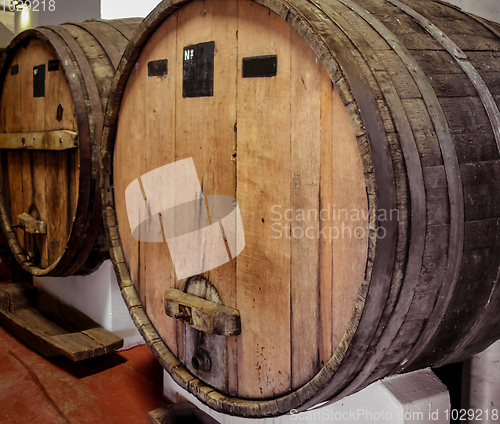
[(119, 388)]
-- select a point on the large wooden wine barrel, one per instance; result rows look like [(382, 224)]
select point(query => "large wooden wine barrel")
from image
[(360, 142), (54, 83)]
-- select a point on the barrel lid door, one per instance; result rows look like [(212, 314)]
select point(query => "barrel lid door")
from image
[(235, 164), (39, 151)]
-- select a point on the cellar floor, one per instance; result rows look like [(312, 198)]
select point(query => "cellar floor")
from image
[(117, 388)]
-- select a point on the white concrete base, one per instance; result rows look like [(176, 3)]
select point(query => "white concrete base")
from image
[(417, 397), (481, 386), (98, 296)]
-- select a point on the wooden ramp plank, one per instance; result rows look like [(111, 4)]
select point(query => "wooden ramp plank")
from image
[(19, 315)]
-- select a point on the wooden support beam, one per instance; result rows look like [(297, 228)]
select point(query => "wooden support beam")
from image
[(50, 327), (31, 225), (203, 315), (39, 140)]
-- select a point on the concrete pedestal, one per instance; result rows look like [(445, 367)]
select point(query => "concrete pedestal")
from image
[(417, 397), (481, 386), (98, 296)]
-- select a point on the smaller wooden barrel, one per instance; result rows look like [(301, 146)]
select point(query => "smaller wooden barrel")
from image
[(54, 84)]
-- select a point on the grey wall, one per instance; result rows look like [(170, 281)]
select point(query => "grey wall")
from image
[(70, 10), (489, 9), (64, 11)]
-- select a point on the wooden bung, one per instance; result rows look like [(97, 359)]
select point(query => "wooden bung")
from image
[(359, 141), (54, 84)]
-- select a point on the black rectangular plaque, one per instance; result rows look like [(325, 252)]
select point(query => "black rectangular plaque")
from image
[(198, 70), (260, 66), (39, 81), (158, 68), (53, 65), (14, 69)]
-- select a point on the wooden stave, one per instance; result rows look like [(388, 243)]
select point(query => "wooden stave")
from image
[(323, 387), (467, 345), (87, 247)]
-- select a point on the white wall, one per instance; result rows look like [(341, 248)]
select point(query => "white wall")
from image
[(99, 297), (115, 9), (111, 9), (489, 9)]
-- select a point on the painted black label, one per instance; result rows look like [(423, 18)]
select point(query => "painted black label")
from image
[(158, 68), (260, 66), (14, 69), (39, 81), (198, 70), (53, 65)]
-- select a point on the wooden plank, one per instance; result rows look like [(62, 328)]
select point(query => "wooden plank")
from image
[(479, 180), (433, 271), (129, 145), (436, 62), (205, 126), (99, 68), (436, 190), (409, 31), (15, 173), (349, 232), (183, 411), (117, 38), (10, 103), (263, 268), (100, 35), (428, 147), (485, 61), (305, 145), (76, 346), (56, 182), (326, 249), (72, 164), (362, 27), (475, 78), (203, 315), (33, 107), (400, 76), (59, 108), (39, 175), (31, 317), (159, 114), (106, 338), (39, 140), (27, 196), (452, 85), (221, 157), (20, 316), (467, 114), (379, 8)]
